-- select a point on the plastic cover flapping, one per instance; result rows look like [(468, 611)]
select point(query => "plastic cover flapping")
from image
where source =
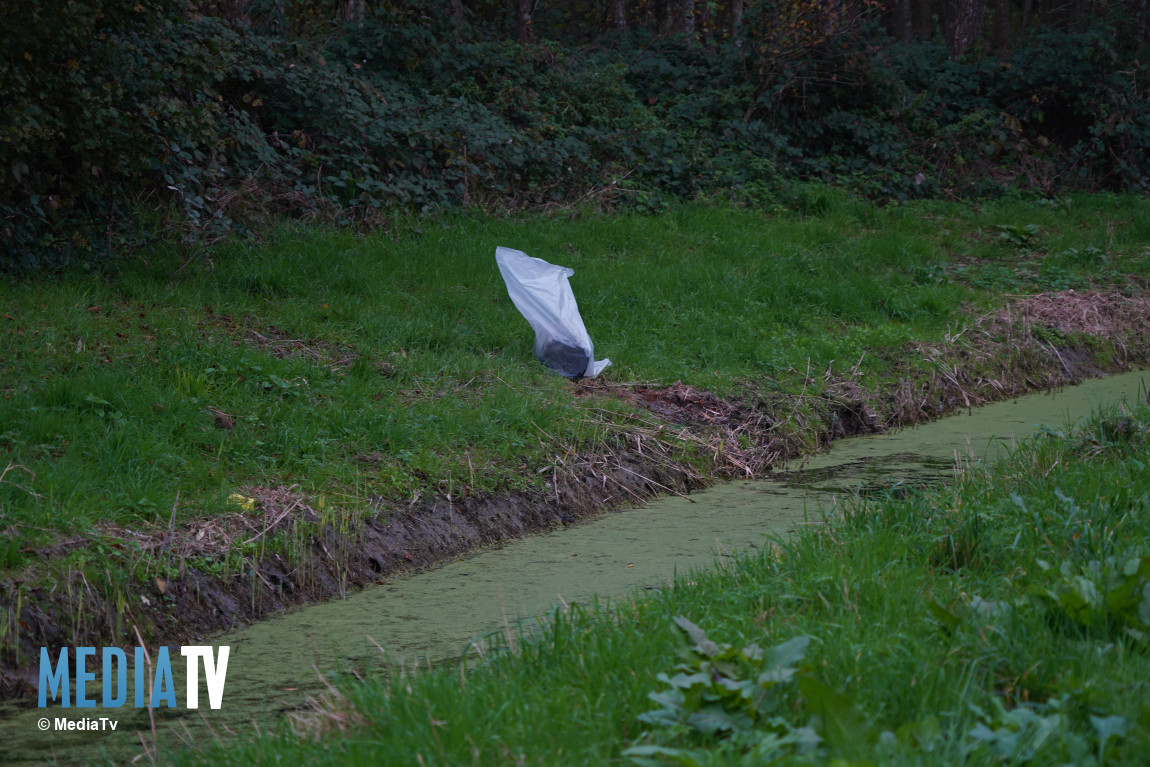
[(542, 294)]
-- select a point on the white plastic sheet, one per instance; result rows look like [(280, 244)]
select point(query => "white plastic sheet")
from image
[(542, 294)]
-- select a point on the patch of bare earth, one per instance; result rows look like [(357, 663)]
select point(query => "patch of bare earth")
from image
[(264, 511)]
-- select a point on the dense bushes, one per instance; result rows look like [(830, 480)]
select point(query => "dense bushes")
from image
[(113, 107)]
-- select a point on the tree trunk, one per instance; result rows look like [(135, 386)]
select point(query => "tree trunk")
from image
[(1083, 13), (904, 21), (618, 15), (736, 20), (967, 27), (1027, 16), (353, 12), (523, 21), (688, 18), (457, 13), (705, 22), (923, 19), (1002, 28)]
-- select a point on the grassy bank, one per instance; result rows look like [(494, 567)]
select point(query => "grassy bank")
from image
[(1003, 619), (201, 417)]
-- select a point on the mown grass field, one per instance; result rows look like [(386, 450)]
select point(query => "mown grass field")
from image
[(394, 364), (1004, 619)]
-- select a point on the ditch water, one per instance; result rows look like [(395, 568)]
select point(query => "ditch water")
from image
[(275, 663)]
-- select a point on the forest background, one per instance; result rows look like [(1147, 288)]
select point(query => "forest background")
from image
[(125, 121)]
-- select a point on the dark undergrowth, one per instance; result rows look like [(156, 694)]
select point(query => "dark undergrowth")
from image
[(128, 121)]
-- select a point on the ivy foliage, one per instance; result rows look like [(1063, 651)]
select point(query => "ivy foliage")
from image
[(114, 107)]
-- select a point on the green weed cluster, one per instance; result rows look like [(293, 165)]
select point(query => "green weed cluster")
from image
[(1015, 639)]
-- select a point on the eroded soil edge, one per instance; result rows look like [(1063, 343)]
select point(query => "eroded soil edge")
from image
[(1036, 343)]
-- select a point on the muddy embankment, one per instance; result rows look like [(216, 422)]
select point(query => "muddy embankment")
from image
[(1033, 343)]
